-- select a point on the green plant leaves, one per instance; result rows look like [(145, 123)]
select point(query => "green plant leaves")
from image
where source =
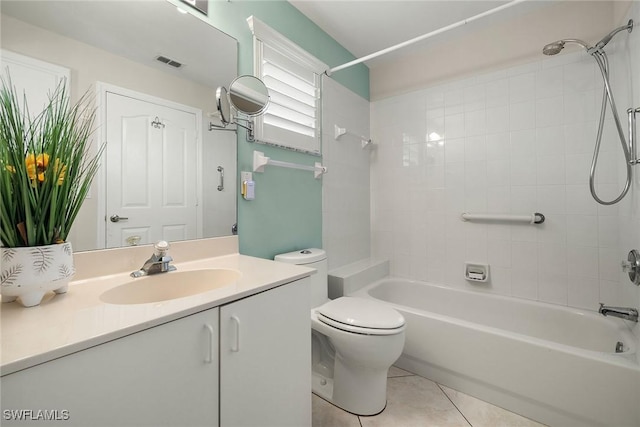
[(40, 198)]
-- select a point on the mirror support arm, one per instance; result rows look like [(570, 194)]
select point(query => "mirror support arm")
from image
[(213, 126), (248, 127)]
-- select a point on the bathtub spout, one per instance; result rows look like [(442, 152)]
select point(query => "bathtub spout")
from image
[(621, 312)]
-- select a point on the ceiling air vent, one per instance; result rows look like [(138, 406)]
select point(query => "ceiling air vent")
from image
[(168, 61)]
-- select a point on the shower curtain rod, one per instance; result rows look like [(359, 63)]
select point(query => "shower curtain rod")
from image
[(422, 37)]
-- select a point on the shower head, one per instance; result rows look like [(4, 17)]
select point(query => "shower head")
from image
[(553, 48)]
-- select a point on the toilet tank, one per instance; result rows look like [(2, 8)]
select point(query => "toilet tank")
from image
[(312, 258)]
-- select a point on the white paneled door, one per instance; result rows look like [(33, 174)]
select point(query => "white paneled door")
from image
[(151, 176)]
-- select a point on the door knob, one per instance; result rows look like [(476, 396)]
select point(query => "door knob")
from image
[(116, 218)]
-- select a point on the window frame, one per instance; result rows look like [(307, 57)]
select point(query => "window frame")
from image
[(263, 35)]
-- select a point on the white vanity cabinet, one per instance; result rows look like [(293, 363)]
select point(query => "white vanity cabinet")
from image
[(163, 376), (246, 363), (265, 359)]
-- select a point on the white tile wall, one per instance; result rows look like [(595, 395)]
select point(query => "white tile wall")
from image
[(345, 195), (628, 225), (517, 140)]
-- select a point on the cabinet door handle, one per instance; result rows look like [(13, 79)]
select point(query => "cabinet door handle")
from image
[(211, 333), (236, 347)]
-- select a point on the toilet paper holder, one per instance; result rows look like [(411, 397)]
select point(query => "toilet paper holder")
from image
[(475, 272)]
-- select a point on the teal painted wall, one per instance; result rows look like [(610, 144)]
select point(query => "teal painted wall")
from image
[(287, 212)]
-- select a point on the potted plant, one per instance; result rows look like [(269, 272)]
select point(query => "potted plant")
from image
[(46, 170)]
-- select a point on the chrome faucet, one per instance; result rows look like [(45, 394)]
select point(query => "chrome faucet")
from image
[(626, 313), (158, 263)]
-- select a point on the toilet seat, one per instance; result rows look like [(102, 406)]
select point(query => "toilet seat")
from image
[(361, 316)]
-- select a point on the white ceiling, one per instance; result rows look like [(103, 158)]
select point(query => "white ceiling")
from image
[(367, 26), (138, 30)]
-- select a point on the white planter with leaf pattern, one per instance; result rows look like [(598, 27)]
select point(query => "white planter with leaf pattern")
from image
[(30, 272)]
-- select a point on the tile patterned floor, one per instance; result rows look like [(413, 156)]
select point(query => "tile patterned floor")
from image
[(414, 401)]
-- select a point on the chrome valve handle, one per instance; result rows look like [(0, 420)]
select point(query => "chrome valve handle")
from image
[(632, 266)]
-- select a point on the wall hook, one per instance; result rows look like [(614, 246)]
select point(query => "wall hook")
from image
[(157, 123)]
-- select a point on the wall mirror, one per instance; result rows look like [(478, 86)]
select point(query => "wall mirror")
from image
[(149, 48)]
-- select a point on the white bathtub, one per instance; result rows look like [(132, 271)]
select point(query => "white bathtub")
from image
[(553, 364)]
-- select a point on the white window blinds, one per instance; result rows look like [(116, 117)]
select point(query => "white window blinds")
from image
[(292, 119)]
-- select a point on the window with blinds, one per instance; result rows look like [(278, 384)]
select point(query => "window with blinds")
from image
[(292, 119)]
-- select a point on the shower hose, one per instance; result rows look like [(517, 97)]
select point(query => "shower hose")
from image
[(607, 95)]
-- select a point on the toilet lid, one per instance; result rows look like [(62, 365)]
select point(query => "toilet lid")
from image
[(362, 313)]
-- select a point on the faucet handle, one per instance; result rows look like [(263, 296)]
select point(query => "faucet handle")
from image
[(161, 247), (632, 266)]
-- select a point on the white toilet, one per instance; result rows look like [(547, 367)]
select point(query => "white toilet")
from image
[(354, 342)]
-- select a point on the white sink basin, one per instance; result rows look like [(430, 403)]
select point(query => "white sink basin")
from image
[(168, 286)]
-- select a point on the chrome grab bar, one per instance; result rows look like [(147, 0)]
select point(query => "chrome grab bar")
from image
[(633, 143), (221, 186), (534, 218)]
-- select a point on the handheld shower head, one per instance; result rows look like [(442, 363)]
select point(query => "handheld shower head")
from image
[(598, 53), (553, 48)]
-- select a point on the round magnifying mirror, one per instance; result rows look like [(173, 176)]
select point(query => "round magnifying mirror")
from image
[(222, 103), (249, 95)]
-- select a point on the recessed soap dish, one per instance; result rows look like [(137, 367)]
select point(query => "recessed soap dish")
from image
[(476, 272)]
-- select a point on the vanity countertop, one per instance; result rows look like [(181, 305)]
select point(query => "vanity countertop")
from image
[(66, 323)]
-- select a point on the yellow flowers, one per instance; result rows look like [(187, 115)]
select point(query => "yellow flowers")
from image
[(37, 167), (60, 170)]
